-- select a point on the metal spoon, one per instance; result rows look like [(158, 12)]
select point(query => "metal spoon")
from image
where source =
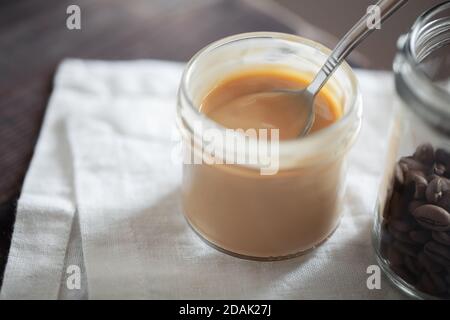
[(351, 40)]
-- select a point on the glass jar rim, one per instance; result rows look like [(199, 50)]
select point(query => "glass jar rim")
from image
[(304, 142), (435, 97)]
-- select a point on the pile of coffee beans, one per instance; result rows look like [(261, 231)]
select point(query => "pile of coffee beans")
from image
[(415, 233)]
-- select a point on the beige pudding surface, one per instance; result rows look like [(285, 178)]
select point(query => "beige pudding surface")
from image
[(248, 100)]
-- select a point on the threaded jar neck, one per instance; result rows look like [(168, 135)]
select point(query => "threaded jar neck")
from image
[(422, 67)]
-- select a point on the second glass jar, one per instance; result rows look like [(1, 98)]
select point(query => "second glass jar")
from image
[(412, 224)]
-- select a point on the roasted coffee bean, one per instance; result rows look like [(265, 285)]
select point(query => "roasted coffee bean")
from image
[(386, 240), (407, 249), (402, 225), (431, 177), (438, 259), (413, 205), (442, 237), (410, 163), (439, 282), (394, 256), (413, 176), (439, 169), (412, 265), (438, 249), (400, 236), (432, 217), (395, 206), (444, 201), (436, 189), (426, 284), (420, 183), (404, 273), (443, 156), (420, 189), (430, 265), (420, 236), (424, 154)]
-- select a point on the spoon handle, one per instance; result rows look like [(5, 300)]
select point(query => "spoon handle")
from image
[(351, 40)]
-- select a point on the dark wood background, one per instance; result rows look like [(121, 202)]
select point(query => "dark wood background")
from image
[(34, 39)]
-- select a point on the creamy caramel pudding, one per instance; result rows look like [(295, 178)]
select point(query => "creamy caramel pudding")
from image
[(275, 216), (233, 103)]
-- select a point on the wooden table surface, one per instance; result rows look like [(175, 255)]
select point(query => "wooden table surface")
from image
[(34, 39)]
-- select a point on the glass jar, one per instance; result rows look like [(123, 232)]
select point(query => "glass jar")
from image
[(412, 226), (236, 207)]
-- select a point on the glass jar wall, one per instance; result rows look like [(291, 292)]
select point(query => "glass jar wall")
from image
[(232, 206), (412, 225)]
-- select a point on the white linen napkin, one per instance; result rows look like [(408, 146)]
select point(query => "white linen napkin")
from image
[(102, 194)]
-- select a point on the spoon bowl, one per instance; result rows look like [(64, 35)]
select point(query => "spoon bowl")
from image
[(304, 98)]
